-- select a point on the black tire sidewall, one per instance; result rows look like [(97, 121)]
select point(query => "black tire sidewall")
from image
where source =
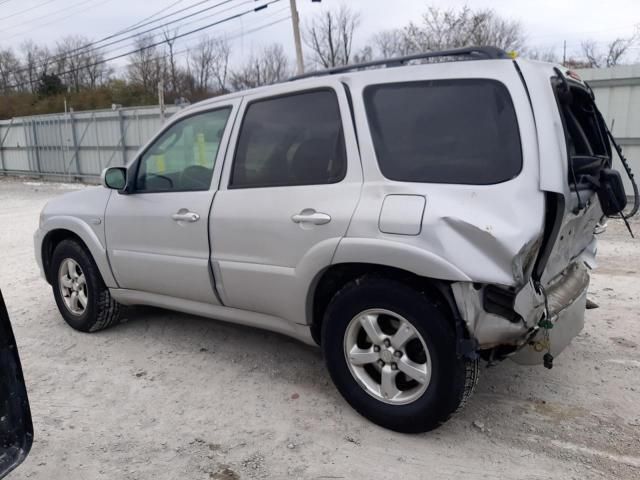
[(95, 286), (446, 386)]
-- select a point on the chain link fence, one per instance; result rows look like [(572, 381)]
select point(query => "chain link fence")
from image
[(76, 145)]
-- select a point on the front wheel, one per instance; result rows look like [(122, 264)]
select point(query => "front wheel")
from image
[(80, 293), (391, 351)]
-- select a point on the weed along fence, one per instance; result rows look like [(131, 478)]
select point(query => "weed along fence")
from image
[(76, 145)]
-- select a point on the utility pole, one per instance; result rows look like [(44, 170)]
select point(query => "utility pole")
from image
[(295, 20), (564, 53)]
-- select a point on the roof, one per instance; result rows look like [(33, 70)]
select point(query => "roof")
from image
[(466, 53)]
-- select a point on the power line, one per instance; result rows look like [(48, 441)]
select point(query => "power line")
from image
[(84, 49), (237, 33), (234, 34), (26, 10), (232, 37), (142, 24), (92, 46), (164, 9), (132, 44), (40, 25), (155, 44)]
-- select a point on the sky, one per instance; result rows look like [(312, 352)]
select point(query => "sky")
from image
[(547, 23)]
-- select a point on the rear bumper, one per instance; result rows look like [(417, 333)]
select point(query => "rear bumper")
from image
[(567, 305), (566, 298)]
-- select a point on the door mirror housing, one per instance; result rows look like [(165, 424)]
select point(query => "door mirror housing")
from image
[(114, 178)]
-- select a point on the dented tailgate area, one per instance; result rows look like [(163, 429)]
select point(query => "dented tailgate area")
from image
[(506, 318), (536, 317), (515, 245)]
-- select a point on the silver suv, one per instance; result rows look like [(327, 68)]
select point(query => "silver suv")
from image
[(410, 216)]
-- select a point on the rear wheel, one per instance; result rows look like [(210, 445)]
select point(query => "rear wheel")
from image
[(391, 351), (80, 293)]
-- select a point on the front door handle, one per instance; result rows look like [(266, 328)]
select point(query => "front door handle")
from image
[(185, 215), (309, 215)]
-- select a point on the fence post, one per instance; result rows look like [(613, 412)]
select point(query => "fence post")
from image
[(95, 130), (2, 149), (36, 151), (123, 135), (74, 139)]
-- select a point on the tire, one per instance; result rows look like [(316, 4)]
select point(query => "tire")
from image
[(421, 406), (101, 310)]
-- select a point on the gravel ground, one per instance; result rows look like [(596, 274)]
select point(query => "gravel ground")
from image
[(167, 395)]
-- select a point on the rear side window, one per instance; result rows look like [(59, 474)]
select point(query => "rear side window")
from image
[(445, 131), (586, 136), (290, 140)]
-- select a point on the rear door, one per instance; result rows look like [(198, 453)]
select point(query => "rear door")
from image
[(291, 185), (157, 235)]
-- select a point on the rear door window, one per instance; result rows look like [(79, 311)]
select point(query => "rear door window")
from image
[(445, 131), (291, 140)]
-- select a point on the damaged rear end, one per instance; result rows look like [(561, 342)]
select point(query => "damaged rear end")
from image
[(536, 314)]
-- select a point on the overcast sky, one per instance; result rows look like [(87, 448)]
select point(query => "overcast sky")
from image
[(547, 23)]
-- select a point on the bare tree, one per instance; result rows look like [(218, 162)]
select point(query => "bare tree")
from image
[(270, 66), (442, 29), (209, 64), (9, 66), (330, 36), (36, 61), (96, 71), (170, 40), (391, 43), (612, 55), (147, 66), (544, 55), (79, 65), (363, 55)]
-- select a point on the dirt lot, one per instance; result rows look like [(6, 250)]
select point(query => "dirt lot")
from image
[(168, 396)]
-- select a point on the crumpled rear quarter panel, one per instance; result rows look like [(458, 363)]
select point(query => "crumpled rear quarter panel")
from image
[(479, 230)]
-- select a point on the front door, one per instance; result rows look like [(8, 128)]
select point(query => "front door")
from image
[(157, 235), (286, 197)]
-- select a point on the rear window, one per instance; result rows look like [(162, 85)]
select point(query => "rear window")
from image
[(586, 136), (445, 131)]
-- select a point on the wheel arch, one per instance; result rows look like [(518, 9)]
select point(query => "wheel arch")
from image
[(63, 229), (333, 278)]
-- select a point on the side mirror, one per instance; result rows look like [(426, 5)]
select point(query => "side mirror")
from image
[(114, 178), (16, 429)]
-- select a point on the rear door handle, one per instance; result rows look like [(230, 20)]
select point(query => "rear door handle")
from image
[(309, 215), (184, 215)]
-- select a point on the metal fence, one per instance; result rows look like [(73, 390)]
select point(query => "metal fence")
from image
[(617, 91), (76, 145), (82, 144)]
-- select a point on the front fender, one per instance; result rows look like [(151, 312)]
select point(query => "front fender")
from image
[(86, 233)]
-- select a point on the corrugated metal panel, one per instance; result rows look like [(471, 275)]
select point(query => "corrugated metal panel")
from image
[(76, 144), (617, 91)]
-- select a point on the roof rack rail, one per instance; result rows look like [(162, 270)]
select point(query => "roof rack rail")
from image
[(477, 53)]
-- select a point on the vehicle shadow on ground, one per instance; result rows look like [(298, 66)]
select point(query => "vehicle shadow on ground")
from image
[(521, 409), (248, 347)]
